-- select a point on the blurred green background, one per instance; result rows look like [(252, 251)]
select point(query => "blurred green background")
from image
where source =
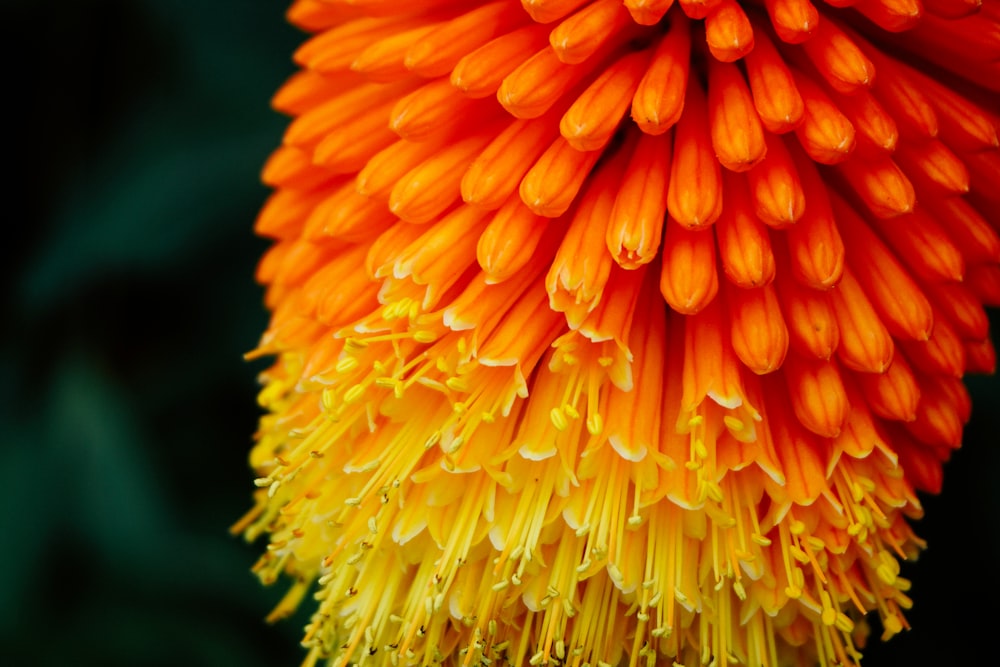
[(139, 128)]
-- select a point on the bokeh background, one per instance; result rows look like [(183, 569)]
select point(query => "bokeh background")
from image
[(138, 130)]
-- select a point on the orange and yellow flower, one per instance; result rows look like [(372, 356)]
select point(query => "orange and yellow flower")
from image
[(618, 332)]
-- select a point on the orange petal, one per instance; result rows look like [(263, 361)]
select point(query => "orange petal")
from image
[(775, 94), (865, 343), (286, 213), (816, 249), (596, 114), (825, 132), (354, 143), (923, 245), (551, 184), (793, 20), (345, 108), (963, 310), (433, 106), (382, 60), (694, 195), (711, 369), (305, 90), (817, 393), (582, 34), (291, 167), (970, 40), (689, 280), (582, 265), (443, 47), (728, 31), (940, 354), (648, 12), (698, 9), (984, 281), (900, 303), (744, 245), (799, 453), (737, 135), (881, 184), (775, 186), (538, 83), (952, 9), (480, 73), (633, 429), (870, 120), (429, 189), (380, 175), (903, 97), (971, 233), (509, 240), (980, 356), (350, 216), (496, 173), (547, 11), (839, 60), (893, 394), (635, 226), (933, 168), (336, 48), (812, 325), (891, 15), (758, 331), (939, 421), (440, 257), (963, 125), (659, 101), (984, 174)]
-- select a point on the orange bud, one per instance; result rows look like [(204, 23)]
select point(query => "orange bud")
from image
[(547, 11), (635, 226), (793, 20), (933, 168), (480, 73), (648, 12), (775, 94), (728, 31), (582, 34), (838, 59), (737, 135), (815, 246), (694, 196), (596, 114), (509, 240), (758, 331), (551, 184), (444, 46), (881, 184), (825, 132), (659, 100), (812, 324), (744, 245), (900, 303), (891, 15), (689, 280), (496, 172), (865, 343), (923, 245), (817, 393), (894, 394), (775, 186)]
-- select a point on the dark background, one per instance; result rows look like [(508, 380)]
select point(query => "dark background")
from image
[(138, 130)]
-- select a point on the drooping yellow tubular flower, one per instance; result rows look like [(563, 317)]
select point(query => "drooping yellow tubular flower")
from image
[(620, 331)]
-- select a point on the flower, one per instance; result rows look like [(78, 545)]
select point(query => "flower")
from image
[(615, 331)]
